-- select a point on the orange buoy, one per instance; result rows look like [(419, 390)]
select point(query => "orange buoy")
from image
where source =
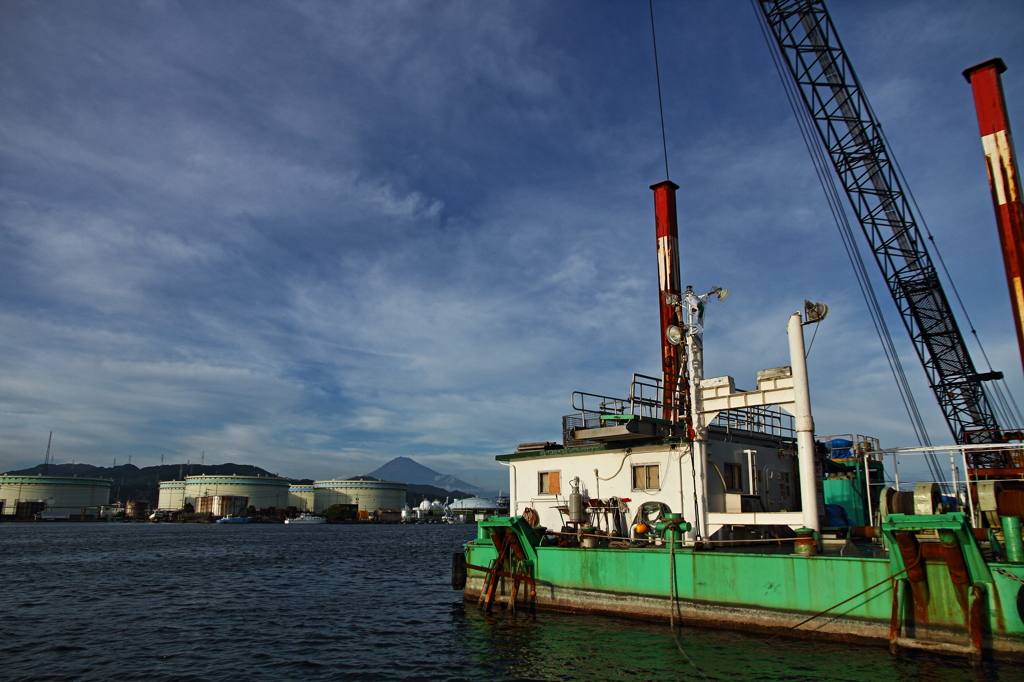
[(641, 528)]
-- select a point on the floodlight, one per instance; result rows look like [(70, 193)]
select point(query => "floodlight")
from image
[(720, 292), (674, 335), (816, 312)]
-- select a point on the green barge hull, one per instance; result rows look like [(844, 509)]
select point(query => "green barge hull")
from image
[(970, 607)]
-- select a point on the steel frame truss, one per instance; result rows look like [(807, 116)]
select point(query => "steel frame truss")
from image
[(853, 139)]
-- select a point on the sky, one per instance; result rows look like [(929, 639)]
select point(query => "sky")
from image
[(314, 236)]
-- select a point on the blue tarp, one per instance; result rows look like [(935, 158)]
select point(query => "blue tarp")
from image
[(840, 448), (835, 516)]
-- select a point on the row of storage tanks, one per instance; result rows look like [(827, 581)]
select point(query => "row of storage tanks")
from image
[(26, 496), (265, 492)]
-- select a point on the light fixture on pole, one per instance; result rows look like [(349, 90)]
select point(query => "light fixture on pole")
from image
[(674, 335), (815, 312)]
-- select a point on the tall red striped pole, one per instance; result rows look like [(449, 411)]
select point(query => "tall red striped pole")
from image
[(1003, 177), (673, 360)]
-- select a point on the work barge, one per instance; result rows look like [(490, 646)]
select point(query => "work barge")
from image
[(689, 501)]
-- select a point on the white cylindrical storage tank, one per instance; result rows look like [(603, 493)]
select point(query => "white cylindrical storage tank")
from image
[(58, 496), (475, 508), (369, 495), (263, 492), (474, 504), (301, 497), (172, 495)]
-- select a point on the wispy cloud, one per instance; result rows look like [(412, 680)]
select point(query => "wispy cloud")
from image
[(315, 236)]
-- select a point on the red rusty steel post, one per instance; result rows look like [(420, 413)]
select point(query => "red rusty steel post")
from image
[(1003, 178), (667, 228)]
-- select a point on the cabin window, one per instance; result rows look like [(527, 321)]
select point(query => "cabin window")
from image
[(646, 476), (549, 483), (734, 477)]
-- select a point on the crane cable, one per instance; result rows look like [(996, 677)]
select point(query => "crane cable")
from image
[(657, 76), (824, 172), (833, 198), (1007, 415)]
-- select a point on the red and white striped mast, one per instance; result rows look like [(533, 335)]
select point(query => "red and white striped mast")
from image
[(675, 387), (1003, 178)]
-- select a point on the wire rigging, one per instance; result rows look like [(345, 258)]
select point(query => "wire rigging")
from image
[(807, 353), (657, 76), (1007, 414), (827, 180)]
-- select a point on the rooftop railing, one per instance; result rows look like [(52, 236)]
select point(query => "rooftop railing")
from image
[(646, 400)]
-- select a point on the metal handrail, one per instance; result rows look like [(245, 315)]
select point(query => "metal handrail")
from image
[(609, 405), (766, 420), (639, 402), (964, 450)]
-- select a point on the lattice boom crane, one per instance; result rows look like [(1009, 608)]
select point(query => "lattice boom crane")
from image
[(853, 141)]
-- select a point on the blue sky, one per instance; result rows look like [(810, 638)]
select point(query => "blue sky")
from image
[(316, 236)]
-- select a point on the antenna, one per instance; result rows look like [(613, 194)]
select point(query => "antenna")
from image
[(161, 460), (46, 462), (203, 460)]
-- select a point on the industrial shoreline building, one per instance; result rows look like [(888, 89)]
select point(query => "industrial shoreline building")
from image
[(53, 497), (368, 495), (46, 497)]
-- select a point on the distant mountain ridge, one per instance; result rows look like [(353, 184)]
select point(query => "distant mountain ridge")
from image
[(164, 472), (410, 471)]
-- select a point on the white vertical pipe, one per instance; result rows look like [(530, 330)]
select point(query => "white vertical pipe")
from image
[(512, 484), (952, 468), (804, 423), (752, 471), (867, 485), (695, 351), (956, 489), (967, 478), (686, 493)]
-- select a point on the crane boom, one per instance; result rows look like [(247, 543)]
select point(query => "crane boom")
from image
[(853, 141), (46, 461)]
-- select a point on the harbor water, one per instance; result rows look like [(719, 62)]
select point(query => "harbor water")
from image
[(97, 601)]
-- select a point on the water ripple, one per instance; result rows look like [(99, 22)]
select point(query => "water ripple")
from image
[(183, 602)]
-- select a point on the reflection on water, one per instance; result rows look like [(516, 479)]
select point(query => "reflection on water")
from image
[(258, 602), (548, 646)]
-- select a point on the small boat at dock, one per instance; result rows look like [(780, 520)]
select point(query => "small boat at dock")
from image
[(306, 519), (234, 519)]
